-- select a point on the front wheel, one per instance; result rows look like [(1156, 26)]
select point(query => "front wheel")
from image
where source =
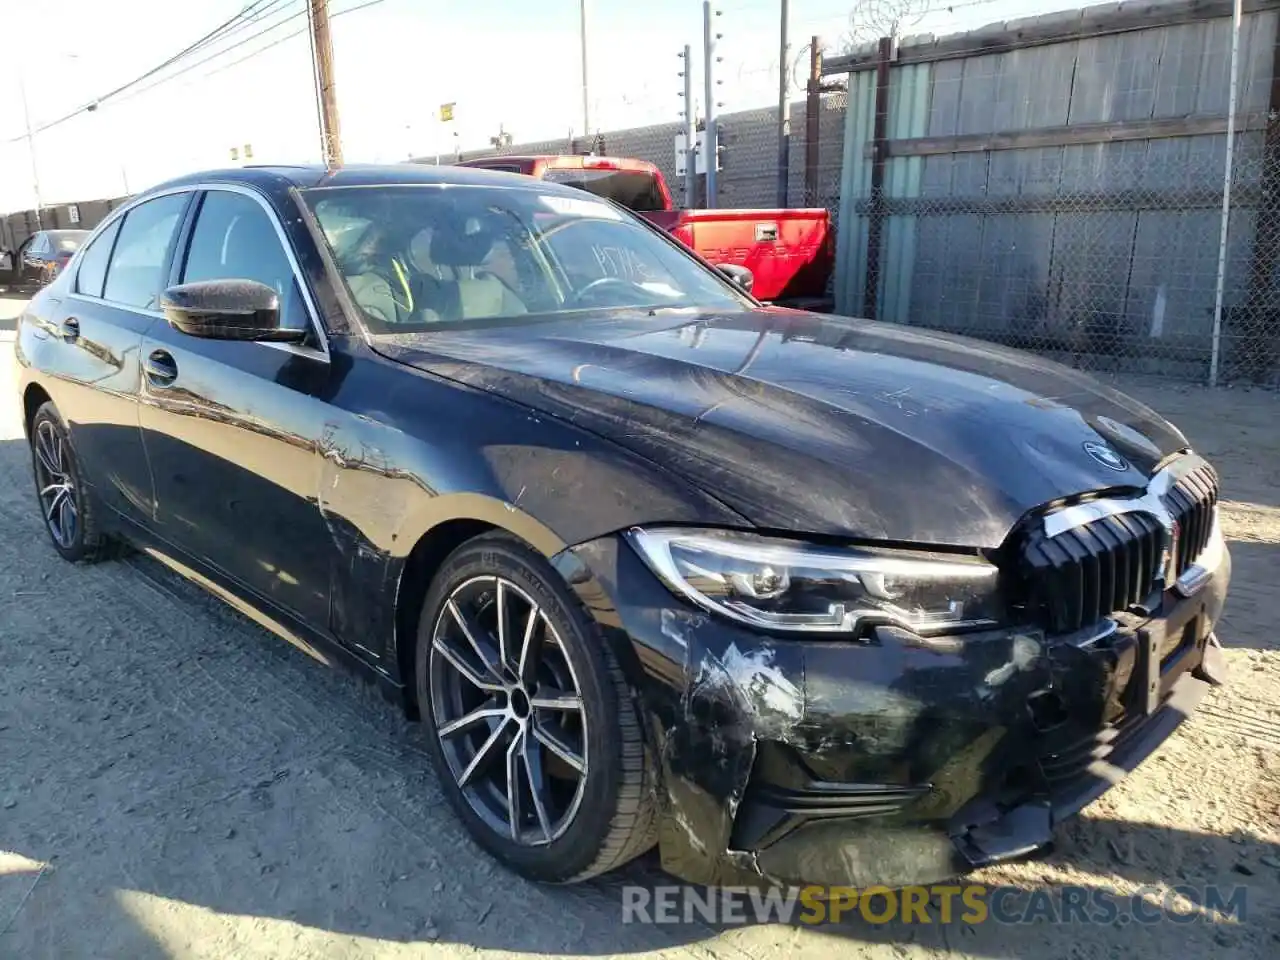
[(528, 716)]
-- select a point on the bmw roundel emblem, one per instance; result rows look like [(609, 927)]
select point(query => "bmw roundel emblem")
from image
[(1106, 456)]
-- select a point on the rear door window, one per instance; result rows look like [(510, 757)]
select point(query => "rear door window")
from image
[(93, 263), (137, 271), (633, 189)]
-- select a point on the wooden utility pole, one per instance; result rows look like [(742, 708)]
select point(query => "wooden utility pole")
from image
[(322, 54), (813, 124)]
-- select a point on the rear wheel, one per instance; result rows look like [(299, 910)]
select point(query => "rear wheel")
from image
[(66, 504), (529, 719)]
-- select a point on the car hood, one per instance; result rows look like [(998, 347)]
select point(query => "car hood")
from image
[(820, 425)]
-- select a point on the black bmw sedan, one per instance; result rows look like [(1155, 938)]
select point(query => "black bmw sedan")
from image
[(799, 598)]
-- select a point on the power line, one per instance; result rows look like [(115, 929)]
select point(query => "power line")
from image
[(249, 56), (250, 13), (225, 50)]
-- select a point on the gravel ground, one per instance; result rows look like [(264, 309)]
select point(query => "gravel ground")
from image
[(176, 782)]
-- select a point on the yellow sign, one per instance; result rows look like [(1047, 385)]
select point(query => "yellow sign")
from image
[(446, 112)]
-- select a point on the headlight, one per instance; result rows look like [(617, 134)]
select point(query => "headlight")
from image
[(788, 585)]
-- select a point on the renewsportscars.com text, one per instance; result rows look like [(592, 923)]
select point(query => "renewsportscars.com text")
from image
[(940, 903)]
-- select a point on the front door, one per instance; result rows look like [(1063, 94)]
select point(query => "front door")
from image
[(232, 428)]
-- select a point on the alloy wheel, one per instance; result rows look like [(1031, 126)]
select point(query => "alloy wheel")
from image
[(508, 710), (58, 500)]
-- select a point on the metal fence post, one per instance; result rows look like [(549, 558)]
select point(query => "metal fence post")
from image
[(784, 112), (876, 214), (1216, 355), (690, 132), (711, 141)]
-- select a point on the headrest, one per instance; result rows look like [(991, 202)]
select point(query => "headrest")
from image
[(460, 240)]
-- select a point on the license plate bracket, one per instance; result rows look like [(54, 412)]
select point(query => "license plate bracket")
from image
[(1151, 643)]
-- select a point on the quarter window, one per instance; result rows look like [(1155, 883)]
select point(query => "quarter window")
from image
[(235, 239), (93, 262), (137, 270)]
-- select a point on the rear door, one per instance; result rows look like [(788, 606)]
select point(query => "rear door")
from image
[(95, 343), (233, 428)]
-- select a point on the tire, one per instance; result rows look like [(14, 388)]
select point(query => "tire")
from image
[(610, 818), (76, 532)]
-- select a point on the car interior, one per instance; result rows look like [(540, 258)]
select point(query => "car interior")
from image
[(406, 273)]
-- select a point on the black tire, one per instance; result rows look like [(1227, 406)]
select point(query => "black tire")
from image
[(614, 820), (86, 543)]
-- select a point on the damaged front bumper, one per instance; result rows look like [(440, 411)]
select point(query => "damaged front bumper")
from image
[(897, 760)]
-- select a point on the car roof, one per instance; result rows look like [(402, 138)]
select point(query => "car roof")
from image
[(361, 175), (66, 232)]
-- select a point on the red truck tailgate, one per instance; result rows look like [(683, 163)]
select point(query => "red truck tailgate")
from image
[(790, 253)]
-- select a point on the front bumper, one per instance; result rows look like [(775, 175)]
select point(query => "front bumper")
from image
[(896, 761)]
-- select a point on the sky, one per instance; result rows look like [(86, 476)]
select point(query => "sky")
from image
[(508, 64)]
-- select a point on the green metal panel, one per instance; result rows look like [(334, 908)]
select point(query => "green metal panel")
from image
[(855, 187), (909, 93)]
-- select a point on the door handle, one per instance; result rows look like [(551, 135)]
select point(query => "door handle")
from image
[(161, 369), (70, 328)]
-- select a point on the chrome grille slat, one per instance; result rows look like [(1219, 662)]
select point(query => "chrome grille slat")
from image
[(1113, 560)]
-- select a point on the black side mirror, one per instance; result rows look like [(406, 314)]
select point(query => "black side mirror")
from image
[(739, 275), (227, 310)]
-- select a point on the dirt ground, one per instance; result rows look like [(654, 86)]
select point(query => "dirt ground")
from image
[(176, 782)]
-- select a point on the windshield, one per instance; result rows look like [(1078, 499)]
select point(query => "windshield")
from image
[(420, 257), (631, 188)]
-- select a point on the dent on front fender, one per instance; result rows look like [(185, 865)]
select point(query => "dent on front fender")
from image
[(723, 706)]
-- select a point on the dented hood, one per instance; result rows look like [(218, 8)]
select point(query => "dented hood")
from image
[(819, 425)]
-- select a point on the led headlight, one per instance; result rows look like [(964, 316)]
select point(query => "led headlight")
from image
[(793, 586)]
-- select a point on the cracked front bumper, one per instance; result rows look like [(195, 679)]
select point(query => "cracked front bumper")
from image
[(894, 761)]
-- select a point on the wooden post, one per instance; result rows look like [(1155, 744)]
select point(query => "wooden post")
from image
[(330, 131), (812, 122)]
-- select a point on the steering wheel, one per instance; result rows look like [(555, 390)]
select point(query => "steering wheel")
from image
[(627, 286)]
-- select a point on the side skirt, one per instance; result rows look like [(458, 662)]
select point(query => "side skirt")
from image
[(316, 644)]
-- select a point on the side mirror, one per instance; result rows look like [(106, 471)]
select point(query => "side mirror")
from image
[(739, 275), (227, 310)]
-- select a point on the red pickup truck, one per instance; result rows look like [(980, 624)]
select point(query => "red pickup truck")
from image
[(790, 253)]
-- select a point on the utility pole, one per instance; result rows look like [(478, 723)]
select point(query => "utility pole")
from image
[(784, 110), (322, 48), (710, 140), (690, 131), (31, 144), (586, 99)]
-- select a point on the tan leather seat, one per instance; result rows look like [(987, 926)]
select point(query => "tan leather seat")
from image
[(477, 297)]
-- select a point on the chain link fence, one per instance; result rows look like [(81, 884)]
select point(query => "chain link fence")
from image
[(1104, 258)]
